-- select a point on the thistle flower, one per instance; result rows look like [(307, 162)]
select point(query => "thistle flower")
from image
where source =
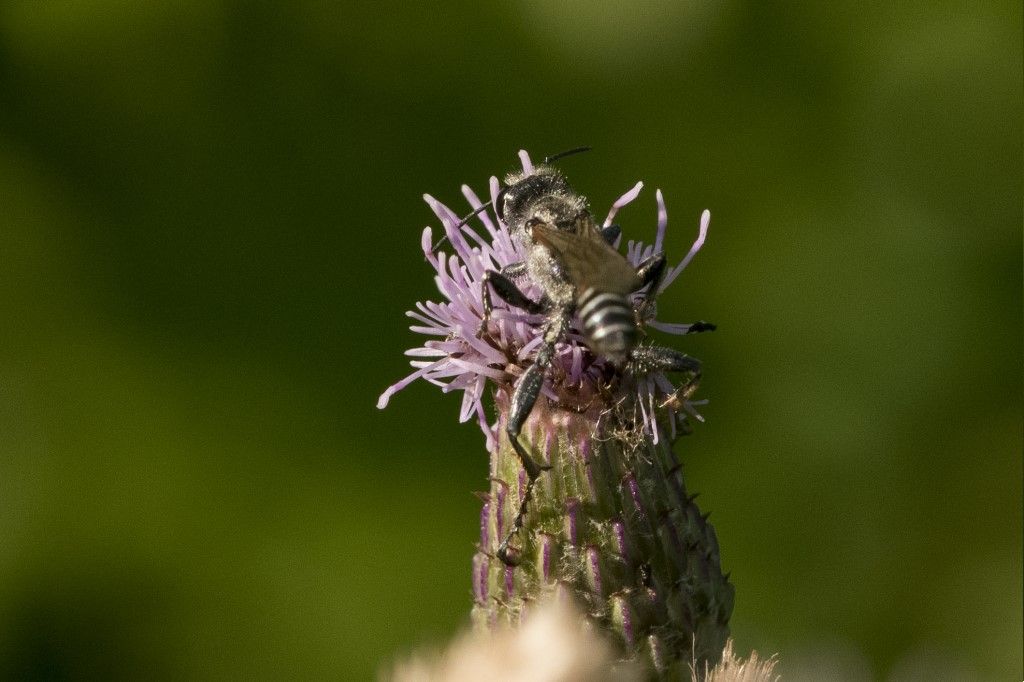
[(457, 359), (610, 526)]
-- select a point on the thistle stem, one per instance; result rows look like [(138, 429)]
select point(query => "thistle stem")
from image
[(611, 527)]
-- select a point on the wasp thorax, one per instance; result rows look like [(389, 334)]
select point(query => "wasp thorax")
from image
[(561, 213)]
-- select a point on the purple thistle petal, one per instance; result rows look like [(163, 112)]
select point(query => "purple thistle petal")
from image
[(495, 188), (426, 242), (435, 331), (435, 206), (479, 345), (528, 349), (468, 407), (472, 234), (576, 368), (382, 402), (477, 368), (622, 201), (421, 317), (662, 221), (489, 437), (633, 251), (670, 327), (527, 164), (484, 216), (705, 220), (425, 352), (449, 220)]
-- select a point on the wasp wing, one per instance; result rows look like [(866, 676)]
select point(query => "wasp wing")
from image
[(588, 259)]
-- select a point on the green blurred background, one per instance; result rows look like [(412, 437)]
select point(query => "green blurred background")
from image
[(211, 220)]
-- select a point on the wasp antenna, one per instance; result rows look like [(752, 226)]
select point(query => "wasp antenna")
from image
[(462, 222), (466, 219), (437, 245), (562, 155)]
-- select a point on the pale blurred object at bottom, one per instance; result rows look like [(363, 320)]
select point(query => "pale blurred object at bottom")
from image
[(554, 644)]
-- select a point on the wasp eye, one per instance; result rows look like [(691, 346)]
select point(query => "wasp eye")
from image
[(499, 203)]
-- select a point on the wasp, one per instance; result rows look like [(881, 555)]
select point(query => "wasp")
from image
[(574, 263)]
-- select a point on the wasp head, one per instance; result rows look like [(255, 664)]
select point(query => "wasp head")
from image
[(543, 196)]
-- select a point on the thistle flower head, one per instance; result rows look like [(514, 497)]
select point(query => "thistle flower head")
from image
[(457, 357)]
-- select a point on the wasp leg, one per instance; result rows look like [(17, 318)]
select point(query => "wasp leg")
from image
[(611, 233), (646, 359), (651, 271), (701, 326), (523, 399), (501, 282), (659, 358)]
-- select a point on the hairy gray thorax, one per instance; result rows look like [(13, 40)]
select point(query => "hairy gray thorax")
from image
[(542, 267)]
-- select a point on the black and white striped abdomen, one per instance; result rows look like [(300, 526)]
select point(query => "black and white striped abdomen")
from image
[(609, 324)]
